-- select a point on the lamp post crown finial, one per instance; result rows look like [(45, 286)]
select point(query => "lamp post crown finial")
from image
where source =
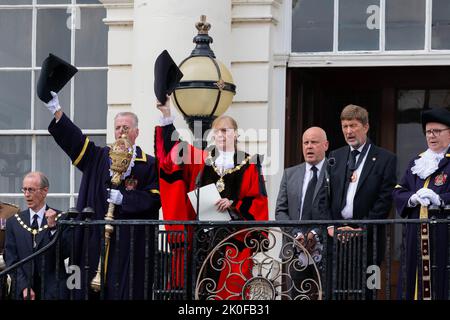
[(203, 26)]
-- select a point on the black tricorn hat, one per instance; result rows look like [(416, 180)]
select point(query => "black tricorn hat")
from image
[(167, 76), (55, 73), (439, 115)]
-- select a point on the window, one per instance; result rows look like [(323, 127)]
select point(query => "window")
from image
[(354, 32), (312, 25), (405, 29), (74, 31), (370, 25), (441, 25), (410, 104)]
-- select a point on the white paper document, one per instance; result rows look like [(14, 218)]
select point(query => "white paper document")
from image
[(208, 198)]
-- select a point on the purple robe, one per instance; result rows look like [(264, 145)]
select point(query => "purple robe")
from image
[(410, 184)]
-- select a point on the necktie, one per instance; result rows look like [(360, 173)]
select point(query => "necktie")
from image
[(352, 164), (351, 167), (34, 226), (308, 200)]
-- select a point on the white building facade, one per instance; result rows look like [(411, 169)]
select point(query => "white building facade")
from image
[(261, 41)]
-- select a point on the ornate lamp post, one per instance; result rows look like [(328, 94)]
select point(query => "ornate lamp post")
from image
[(206, 89)]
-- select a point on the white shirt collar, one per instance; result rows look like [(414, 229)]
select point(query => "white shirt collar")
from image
[(225, 160), (359, 149), (318, 166), (40, 214)]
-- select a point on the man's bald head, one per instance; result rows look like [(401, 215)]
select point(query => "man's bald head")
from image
[(315, 144), (318, 131)]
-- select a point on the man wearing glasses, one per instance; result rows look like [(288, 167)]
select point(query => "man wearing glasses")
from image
[(426, 182), (27, 232)]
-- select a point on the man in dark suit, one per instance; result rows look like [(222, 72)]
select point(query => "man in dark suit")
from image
[(362, 178), (27, 232), (303, 196)]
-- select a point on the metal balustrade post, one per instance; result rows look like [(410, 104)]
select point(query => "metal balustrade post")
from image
[(433, 212), (352, 275), (165, 266), (358, 254), (72, 214), (147, 262), (419, 262), (364, 265), (403, 261), (86, 215), (116, 236), (131, 274), (447, 215), (190, 287), (374, 254), (345, 263), (388, 263), (325, 271)]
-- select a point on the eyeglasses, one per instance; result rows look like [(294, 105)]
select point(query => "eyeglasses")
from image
[(434, 132), (29, 190)]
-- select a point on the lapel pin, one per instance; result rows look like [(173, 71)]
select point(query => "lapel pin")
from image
[(373, 159)]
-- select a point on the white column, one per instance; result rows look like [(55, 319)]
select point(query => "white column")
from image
[(170, 24), (259, 32), (119, 19)]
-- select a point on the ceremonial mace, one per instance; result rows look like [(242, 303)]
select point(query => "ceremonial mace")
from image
[(120, 155)]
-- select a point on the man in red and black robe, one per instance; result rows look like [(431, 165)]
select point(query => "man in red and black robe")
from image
[(182, 168)]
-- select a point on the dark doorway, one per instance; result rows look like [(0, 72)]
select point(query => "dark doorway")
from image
[(316, 96)]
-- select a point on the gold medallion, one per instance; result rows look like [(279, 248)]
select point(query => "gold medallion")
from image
[(354, 177), (220, 184)]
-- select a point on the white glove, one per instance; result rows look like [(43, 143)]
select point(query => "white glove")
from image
[(415, 200), (115, 196), (53, 105), (434, 198)]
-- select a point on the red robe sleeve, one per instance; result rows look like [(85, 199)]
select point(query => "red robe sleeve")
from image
[(178, 164), (252, 203)]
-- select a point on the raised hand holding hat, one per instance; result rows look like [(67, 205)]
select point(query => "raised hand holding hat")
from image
[(55, 73), (53, 105)]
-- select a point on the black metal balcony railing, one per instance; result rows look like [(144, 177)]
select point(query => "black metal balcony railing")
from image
[(186, 260)]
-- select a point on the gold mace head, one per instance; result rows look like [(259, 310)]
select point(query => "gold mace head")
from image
[(120, 153)]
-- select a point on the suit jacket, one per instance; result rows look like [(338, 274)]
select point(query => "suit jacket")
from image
[(373, 197), (290, 197), (18, 245)]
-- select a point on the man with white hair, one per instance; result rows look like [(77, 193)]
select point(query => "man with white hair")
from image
[(137, 197), (27, 232)]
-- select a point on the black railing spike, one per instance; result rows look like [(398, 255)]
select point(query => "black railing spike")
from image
[(88, 212), (447, 209), (433, 211), (72, 213)]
